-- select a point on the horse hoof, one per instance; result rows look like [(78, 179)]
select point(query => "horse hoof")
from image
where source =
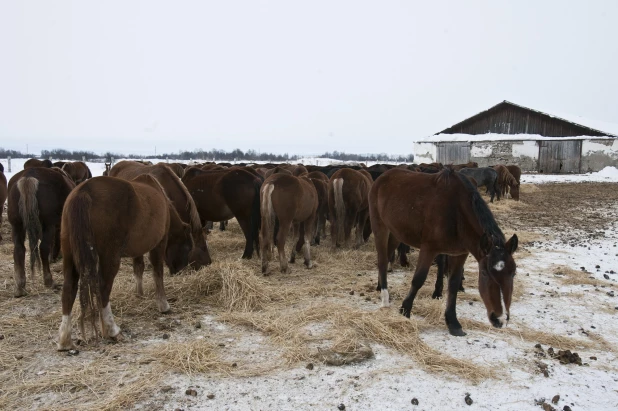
[(457, 332), (286, 270), (309, 265), (20, 293), (405, 312), (117, 338), (436, 296), (66, 347)]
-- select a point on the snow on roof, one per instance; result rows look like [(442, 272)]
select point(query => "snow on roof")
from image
[(501, 137)]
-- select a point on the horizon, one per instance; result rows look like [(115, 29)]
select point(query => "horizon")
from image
[(336, 76)]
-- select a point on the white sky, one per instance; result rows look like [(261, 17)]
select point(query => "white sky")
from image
[(290, 76)]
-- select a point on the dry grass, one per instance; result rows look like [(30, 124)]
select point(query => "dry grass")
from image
[(569, 276), (308, 315)]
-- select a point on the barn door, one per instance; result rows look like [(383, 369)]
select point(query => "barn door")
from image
[(453, 153), (560, 156)]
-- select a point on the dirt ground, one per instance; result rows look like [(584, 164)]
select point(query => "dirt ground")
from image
[(317, 338)]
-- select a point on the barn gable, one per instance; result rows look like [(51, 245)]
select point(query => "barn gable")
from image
[(510, 118)]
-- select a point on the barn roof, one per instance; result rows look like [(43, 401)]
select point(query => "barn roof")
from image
[(607, 129)]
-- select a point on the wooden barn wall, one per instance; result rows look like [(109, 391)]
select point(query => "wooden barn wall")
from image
[(515, 120)]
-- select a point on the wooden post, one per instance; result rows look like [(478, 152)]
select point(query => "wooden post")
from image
[(9, 163)]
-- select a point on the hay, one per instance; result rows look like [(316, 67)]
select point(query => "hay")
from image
[(241, 289), (569, 276), (198, 356)]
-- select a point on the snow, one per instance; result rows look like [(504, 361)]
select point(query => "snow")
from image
[(481, 151), (526, 149), (503, 137), (607, 175)]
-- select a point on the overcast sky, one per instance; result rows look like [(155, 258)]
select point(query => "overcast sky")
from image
[(291, 76)]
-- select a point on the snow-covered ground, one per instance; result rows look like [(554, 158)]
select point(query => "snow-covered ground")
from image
[(607, 175)]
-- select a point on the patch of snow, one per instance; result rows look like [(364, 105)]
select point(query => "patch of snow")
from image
[(503, 137), (481, 150), (526, 149), (607, 175)]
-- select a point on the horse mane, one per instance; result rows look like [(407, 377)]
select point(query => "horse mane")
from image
[(194, 217), (479, 206)]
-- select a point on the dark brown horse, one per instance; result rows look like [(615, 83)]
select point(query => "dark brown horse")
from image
[(471, 164), (221, 195), (348, 193), (3, 194), (36, 196), (108, 167), (320, 181), (107, 218), (180, 198), (35, 162), (516, 173), (287, 200), (506, 182), (78, 171), (442, 214)]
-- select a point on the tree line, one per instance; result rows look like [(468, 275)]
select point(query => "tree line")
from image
[(206, 155)]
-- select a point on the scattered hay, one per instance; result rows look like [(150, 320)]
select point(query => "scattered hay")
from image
[(198, 356), (569, 276), (348, 348), (241, 289), (529, 188)]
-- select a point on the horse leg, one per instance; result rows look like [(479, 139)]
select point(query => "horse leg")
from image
[(382, 239), (156, 259), (454, 281), (349, 221), (19, 260), (138, 274), (69, 292), (284, 229), (307, 234), (360, 228), (47, 240), (245, 226), (425, 258), (300, 230), (403, 250), (439, 287), (222, 225), (56, 246), (109, 266)]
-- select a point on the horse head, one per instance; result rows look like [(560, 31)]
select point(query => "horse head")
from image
[(497, 270), (180, 244)]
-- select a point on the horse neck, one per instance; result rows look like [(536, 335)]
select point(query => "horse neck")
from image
[(470, 225)]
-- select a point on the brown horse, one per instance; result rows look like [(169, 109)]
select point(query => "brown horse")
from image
[(36, 196), (3, 194), (471, 164), (442, 214), (506, 182), (35, 162), (348, 192), (108, 167), (176, 168), (180, 198), (289, 201), (107, 218), (320, 181), (78, 171), (516, 173), (221, 195)]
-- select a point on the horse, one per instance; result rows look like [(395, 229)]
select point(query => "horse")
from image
[(59, 164), (516, 173), (221, 195), (176, 168), (3, 194), (320, 181), (471, 164), (506, 182), (442, 214), (35, 162), (484, 176), (348, 191), (288, 200), (104, 219), (36, 196), (180, 198), (78, 171), (108, 167)]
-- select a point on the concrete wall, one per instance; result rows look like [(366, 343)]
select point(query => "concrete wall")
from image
[(425, 152), (598, 154)]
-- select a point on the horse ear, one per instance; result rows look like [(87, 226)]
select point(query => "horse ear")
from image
[(512, 244), (486, 243)]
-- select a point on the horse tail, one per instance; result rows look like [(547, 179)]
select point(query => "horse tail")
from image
[(256, 217), (339, 207), (29, 213), (85, 258), (268, 215)]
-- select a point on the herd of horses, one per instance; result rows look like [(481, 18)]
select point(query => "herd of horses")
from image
[(165, 210)]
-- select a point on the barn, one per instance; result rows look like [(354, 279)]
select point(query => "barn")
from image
[(537, 141)]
